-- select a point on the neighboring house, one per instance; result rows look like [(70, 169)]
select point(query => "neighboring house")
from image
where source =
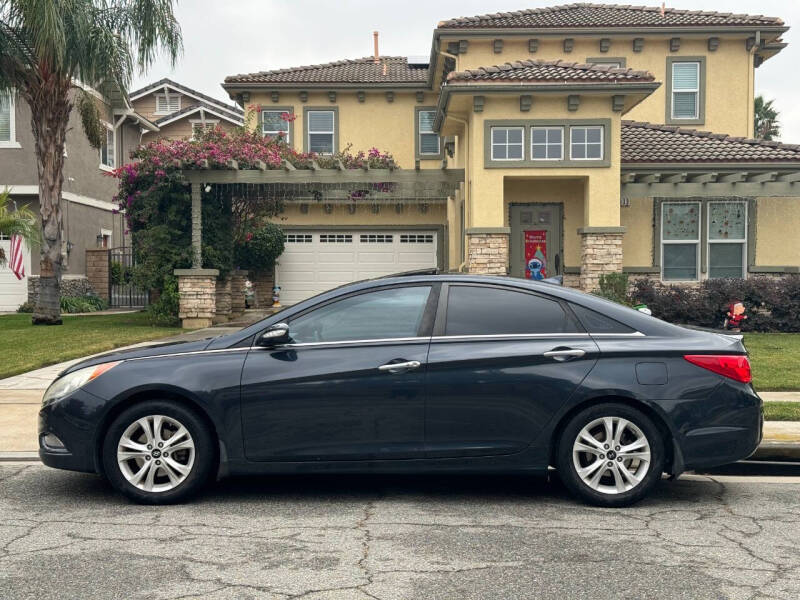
[(89, 219), (589, 139), (181, 112)]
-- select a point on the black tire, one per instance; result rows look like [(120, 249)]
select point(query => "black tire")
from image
[(567, 470), (201, 468)]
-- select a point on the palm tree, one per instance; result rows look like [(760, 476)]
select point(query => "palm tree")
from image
[(45, 47), (766, 120), (21, 222)]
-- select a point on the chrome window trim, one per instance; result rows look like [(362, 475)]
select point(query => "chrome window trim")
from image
[(374, 341)]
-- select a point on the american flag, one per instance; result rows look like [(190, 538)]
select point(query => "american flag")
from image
[(16, 263)]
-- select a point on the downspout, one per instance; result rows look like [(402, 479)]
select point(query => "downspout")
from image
[(467, 189), (751, 75)]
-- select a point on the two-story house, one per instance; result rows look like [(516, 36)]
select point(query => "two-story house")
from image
[(89, 215), (181, 112), (591, 138)]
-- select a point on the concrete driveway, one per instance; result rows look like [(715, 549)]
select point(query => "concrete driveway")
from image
[(66, 535)]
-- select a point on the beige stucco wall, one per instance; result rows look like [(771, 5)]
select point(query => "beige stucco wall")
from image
[(182, 129), (729, 71), (777, 232), (601, 187), (637, 243), (388, 126)]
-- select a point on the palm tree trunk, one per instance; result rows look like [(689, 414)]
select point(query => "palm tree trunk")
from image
[(50, 109)]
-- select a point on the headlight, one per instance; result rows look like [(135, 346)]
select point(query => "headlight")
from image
[(72, 381)]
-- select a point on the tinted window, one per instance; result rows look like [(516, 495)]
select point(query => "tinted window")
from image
[(594, 322), (391, 313), (494, 311)]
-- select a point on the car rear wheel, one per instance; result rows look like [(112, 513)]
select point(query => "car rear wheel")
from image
[(158, 452), (610, 455)]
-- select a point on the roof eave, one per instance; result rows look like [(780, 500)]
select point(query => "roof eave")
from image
[(599, 30), (331, 85)]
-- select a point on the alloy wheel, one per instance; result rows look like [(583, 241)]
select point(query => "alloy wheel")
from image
[(611, 455), (156, 453)]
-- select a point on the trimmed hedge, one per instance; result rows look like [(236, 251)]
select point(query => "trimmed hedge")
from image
[(771, 303)]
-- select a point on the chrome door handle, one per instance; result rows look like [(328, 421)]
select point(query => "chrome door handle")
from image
[(401, 366), (562, 355)]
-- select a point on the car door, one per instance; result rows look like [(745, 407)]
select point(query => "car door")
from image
[(348, 386), (502, 360)]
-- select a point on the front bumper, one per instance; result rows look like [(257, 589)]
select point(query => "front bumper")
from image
[(74, 421)]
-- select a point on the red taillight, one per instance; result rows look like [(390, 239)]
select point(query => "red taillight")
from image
[(735, 366)]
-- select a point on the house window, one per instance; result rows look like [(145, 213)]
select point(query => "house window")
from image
[(547, 143), (275, 123), (7, 117), (586, 143), (199, 127), (321, 131), (685, 90), (429, 142), (680, 241), (727, 239), (167, 103), (107, 148), (507, 143)]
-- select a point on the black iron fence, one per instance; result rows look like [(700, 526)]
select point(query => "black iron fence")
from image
[(121, 291)]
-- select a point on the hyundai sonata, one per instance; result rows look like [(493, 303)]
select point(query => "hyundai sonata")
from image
[(422, 373)]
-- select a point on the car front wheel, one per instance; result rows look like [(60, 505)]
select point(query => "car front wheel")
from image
[(610, 455), (158, 452)]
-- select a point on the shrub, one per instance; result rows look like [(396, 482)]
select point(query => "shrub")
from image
[(260, 248), (25, 307), (773, 304), (164, 311), (82, 304), (614, 286)]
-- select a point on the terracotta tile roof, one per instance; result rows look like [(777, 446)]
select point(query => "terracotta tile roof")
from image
[(390, 69), (550, 71), (650, 143), (585, 14)]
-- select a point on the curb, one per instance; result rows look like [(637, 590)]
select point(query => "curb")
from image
[(19, 457), (777, 451)]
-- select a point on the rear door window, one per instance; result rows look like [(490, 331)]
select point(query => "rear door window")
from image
[(481, 310), (594, 322)]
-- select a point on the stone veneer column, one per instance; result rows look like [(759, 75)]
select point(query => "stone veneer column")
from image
[(197, 289), (222, 308), (487, 250), (237, 293), (263, 282), (601, 253), (97, 271)]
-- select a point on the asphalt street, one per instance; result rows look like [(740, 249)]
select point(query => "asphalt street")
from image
[(68, 535)]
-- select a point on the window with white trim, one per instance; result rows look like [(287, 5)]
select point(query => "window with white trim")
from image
[(275, 123), (297, 238), (107, 157), (727, 239), (321, 131), (336, 238), (586, 142), (685, 90), (199, 127), (416, 238), (547, 143), (376, 238), (7, 118), (167, 103), (507, 143), (429, 142), (680, 241)]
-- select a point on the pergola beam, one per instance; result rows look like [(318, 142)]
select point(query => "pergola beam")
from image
[(763, 177), (674, 177), (789, 177), (704, 178), (768, 189)]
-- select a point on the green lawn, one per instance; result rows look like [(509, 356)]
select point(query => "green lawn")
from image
[(782, 411), (775, 360), (24, 347)]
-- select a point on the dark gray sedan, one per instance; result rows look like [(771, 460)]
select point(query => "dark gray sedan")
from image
[(423, 373)]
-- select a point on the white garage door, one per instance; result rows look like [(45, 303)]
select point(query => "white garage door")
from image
[(13, 291), (315, 261)]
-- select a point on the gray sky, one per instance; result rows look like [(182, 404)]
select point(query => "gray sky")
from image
[(242, 36)]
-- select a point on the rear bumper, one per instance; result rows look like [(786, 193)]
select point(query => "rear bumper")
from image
[(732, 430)]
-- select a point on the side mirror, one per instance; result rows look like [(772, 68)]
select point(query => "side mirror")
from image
[(274, 335)]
